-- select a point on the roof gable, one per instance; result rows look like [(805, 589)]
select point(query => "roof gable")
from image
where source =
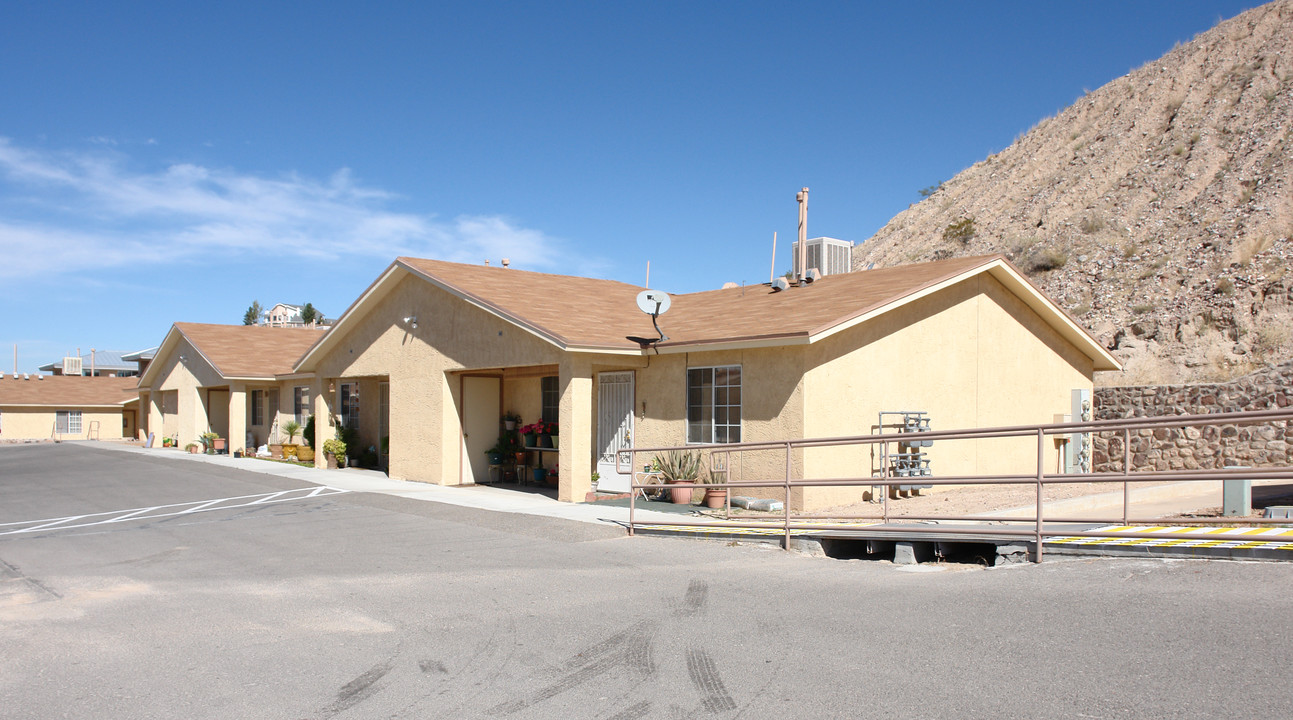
[(239, 351), (587, 314)]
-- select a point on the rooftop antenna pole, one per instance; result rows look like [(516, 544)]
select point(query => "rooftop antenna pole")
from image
[(802, 259), (648, 279), (92, 362), (772, 274)]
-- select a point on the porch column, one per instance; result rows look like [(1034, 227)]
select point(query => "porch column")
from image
[(323, 429), (192, 415), (153, 408), (575, 422), (237, 417)]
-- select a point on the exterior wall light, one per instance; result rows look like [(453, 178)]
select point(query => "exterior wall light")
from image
[(412, 321)]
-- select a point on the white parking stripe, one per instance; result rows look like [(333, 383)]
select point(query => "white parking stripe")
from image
[(104, 518)]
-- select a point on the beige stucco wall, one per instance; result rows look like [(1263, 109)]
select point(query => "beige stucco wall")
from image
[(772, 406), (972, 356), (38, 424), (422, 367)]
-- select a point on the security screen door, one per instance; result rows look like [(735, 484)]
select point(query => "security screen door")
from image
[(614, 428)]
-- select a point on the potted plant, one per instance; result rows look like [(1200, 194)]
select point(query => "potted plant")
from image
[(305, 453), (715, 497), (208, 439), (552, 434), (334, 449), (510, 420), (539, 434), (291, 427), (350, 436), (192, 447), (679, 466), (530, 433)]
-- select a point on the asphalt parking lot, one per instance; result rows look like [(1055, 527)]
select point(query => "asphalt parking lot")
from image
[(134, 586)]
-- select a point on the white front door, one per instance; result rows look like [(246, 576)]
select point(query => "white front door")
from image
[(480, 401), (614, 428)]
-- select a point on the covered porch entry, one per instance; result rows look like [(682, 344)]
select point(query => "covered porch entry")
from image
[(592, 412)]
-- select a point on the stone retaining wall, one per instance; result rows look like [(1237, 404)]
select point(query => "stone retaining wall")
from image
[(1203, 447)]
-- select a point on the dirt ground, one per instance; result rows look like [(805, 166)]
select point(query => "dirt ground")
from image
[(975, 500)]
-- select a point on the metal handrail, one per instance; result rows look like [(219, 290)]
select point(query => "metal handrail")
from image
[(1038, 530)]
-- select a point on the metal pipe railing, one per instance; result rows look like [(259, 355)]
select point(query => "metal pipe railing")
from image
[(1040, 479)]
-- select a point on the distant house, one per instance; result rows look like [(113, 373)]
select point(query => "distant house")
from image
[(98, 363), (284, 315), (67, 407), (233, 380), (434, 352)]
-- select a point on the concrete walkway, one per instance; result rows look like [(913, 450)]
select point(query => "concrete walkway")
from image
[(483, 497)]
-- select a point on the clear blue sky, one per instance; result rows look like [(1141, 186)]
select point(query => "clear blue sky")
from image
[(165, 162)]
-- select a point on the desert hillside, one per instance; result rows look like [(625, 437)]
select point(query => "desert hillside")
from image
[(1157, 209)]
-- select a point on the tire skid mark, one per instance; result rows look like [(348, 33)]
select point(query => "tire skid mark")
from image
[(629, 649), (357, 690), (693, 603), (704, 675), (11, 572)]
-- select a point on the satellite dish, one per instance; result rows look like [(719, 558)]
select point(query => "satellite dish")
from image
[(654, 302)]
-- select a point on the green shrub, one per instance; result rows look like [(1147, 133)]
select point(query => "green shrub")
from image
[(961, 231)]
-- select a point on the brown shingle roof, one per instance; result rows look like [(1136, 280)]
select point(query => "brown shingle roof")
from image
[(67, 391), (602, 313), (249, 351)]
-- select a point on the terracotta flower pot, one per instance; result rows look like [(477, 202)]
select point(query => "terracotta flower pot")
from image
[(680, 495), (332, 461), (715, 498)]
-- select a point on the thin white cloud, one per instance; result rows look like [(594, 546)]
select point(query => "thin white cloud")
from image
[(64, 212)]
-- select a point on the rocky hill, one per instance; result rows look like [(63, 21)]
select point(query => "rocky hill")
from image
[(1157, 209)]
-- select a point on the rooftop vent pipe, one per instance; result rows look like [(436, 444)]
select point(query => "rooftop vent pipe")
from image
[(802, 197)]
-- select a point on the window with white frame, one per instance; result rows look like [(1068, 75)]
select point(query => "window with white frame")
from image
[(301, 403), (67, 422), (714, 404), (258, 407), (349, 404)]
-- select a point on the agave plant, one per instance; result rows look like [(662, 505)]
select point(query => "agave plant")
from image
[(680, 466)]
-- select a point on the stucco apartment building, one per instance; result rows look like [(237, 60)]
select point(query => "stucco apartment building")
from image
[(233, 380), (434, 352), (67, 407)]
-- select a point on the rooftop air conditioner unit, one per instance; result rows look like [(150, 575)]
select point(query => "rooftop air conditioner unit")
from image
[(828, 255), (72, 366)]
